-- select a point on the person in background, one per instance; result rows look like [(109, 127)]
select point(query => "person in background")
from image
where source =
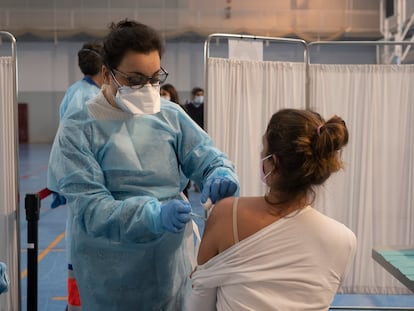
[(76, 96), (90, 64), (119, 164), (275, 252), (195, 108), (168, 92)]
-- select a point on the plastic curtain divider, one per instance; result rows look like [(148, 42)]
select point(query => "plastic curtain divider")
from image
[(311, 45)]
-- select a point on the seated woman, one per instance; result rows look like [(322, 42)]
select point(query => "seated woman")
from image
[(275, 252)]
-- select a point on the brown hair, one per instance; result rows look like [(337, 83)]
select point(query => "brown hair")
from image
[(128, 35), (172, 91), (90, 58), (307, 148)]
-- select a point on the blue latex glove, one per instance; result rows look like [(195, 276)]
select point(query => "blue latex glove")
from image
[(58, 200), (218, 188), (175, 214), (4, 280)]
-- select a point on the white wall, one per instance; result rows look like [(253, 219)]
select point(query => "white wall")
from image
[(46, 69), (49, 67)]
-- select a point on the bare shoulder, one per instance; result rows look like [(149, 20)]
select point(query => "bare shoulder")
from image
[(223, 208), (217, 231)]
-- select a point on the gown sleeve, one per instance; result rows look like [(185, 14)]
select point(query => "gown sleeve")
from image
[(81, 181)]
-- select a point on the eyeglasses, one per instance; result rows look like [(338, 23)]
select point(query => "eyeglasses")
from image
[(138, 80)]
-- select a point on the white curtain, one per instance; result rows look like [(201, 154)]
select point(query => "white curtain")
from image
[(374, 194), (241, 98), (8, 184)]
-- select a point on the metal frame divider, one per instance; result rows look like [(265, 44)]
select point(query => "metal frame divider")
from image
[(241, 37), (307, 52), (16, 155)]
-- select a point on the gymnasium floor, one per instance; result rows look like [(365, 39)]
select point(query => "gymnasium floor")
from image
[(52, 258)]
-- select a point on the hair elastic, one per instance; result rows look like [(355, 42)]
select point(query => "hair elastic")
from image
[(318, 130)]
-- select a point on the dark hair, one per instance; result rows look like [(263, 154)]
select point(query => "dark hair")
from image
[(90, 58), (172, 91), (307, 148), (195, 90), (128, 35)]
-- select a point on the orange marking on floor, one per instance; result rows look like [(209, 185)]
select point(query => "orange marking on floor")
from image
[(59, 298), (45, 252)]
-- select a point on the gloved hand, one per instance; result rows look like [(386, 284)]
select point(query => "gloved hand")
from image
[(4, 280), (175, 214), (58, 200), (218, 188)]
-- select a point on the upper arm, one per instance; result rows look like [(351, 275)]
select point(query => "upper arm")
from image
[(217, 231), (208, 246)]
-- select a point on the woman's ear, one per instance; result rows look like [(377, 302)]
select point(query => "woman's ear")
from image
[(105, 74), (275, 160)]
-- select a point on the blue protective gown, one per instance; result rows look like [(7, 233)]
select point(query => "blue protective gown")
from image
[(77, 95), (115, 172), (4, 279), (74, 101)]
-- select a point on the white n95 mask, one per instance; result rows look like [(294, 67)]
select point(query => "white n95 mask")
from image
[(145, 100)]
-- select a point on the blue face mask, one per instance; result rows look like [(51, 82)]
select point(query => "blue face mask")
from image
[(263, 176), (198, 100)]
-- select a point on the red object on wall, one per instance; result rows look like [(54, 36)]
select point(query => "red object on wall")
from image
[(23, 123)]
